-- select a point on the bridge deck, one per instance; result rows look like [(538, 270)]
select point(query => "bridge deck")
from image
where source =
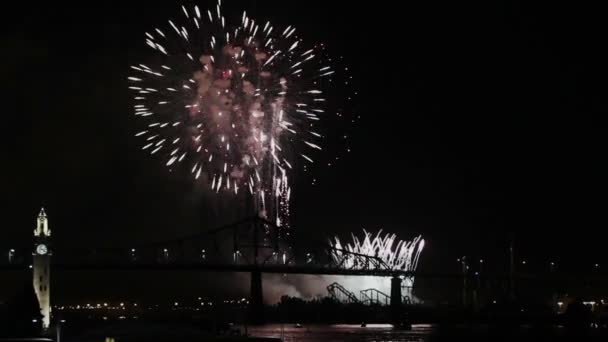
[(287, 269)]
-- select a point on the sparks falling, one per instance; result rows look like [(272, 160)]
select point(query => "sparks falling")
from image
[(399, 255), (238, 106)]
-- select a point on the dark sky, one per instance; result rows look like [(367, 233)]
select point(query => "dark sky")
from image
[(476, 119)]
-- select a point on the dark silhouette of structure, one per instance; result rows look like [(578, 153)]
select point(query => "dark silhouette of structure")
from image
[(374, 297), (396, 304), (341, 294)]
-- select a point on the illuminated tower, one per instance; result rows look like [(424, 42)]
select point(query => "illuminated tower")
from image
[(42, 266)]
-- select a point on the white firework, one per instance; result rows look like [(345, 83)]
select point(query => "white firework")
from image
[(238, 106), (397, 255)]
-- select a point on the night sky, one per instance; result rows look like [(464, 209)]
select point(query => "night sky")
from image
[(476, 120)]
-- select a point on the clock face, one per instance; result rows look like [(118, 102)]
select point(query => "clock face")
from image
[(42, 249)]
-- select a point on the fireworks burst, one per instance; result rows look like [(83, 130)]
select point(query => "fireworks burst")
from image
[(396, 254), (238, 106)]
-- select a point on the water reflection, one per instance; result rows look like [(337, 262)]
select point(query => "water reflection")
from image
[(429, 333), (342, 332)]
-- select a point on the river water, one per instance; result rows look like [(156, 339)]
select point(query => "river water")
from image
[(342, 332), (423, 333)]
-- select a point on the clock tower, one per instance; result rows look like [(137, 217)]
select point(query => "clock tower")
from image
[(42, 266)]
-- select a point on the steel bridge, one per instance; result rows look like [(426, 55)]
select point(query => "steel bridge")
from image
[(246, 246), (252, 245)]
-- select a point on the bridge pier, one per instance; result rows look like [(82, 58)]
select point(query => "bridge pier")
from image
[(256, 300), (396, 307)]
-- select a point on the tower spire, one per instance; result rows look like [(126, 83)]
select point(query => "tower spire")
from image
[(42, 225)]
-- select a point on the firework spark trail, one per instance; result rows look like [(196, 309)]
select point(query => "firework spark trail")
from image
[(397, 254), (221, 100)]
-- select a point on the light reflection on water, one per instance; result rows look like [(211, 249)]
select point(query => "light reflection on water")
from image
[(342, 332)]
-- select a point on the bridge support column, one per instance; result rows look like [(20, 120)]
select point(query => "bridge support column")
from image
[(256, 300), (396, 304)]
